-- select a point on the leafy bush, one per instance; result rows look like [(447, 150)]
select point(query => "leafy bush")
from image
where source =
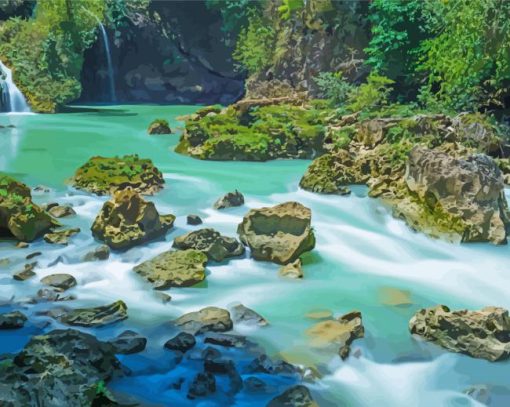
[(372, 95), (334, 87)]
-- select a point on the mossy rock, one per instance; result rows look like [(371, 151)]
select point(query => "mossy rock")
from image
[(19, 216), (104, 175), (159, 126)]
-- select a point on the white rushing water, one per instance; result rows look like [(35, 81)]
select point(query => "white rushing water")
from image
[(12, 100), (111, 77)]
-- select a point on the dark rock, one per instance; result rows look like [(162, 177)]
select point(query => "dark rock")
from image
[(26, 273), (177, 385), (253, 384), (181, 342), (159, 126), (227, 340), (128, 220), (209, 319), (91, 317), (32, 255), (481, 334), (99, 253), (193, 220), (229, 200), (61, 236), (12, 320), (210, 242), (243, 314), (61, 282), (297, 396), (203, 385), (219, 365), (129, 342), (211, 353), (279, 234), (264, 364)]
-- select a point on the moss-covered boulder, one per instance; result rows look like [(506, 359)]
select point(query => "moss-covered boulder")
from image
[(104, 175), (209, 241), (257, 133), (128, 220), (159, 126), (180, 268), (280, 233), (19, 216), (91, 317)]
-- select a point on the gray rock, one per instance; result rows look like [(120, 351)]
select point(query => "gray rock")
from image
[(182, 342), (264, 364), (243, 314), (296, 396), (229, 200), (61, 282), (193, 220), (209, 319), (12, 320), (26, 273), (129, 342), (210, 242), (101, 252), (226, 340), (52, 295), (481, 334)]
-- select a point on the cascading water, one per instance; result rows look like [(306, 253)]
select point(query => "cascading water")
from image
[(111, 79), (11, 98)]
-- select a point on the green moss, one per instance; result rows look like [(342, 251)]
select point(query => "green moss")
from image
[(102, 175)]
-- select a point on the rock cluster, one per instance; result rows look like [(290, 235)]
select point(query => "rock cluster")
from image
[(127, 220), (279, 234)]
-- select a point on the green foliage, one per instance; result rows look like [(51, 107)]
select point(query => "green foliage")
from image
[(234, 13), (46, 52), (372, 95), (334, 87), (290, 6), (254, 47)]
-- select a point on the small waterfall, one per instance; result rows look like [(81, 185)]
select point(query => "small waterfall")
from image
[(11, 99), (111, 79)]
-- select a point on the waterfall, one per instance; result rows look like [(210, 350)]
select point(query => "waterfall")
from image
[(11, 99), (111, 79)]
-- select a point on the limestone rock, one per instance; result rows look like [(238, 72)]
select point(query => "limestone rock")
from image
[(180, 268), (159, 126), (292, 270), (101, 252), (279, 234), (61, 282), (12, 320), (128, 220), (229, 200), (61, 236), (243, 314), (481, 334), (209, 319), (61, 211), (215, 246), (91, 317), (296, 396)]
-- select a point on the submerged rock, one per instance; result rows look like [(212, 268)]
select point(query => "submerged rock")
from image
[(61, 236), (243, 314), (180, 268), (193, 220), (99, 253), (128, 220), (105, 175), (297, 396), (21, 217), (340, 332), (182, 342), (292, 270), (481, 334), (60, 368), (91, 317), (279, 234), (26, 273), (61, 282), (215, 246), (229, 200), (202, 385), (226, 340), (209, 319), (12, 320), (264, 364), (159, 126), (128, 342)]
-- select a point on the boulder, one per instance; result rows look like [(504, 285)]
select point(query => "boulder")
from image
[(193, 220), (61, 211), (296, 396), (215, 246), (60, 368), (19, 216), (128, 220), (226, 340), (91, 317), (61, 236), (26, 273), (180, 268), (481, 334), (229, 200), (61, 282), (279, 234), (105, 175), (264, 364), (209, 319), (101, 252), (128, 342), (182, 342), (292, 270), (340, 332), (243, 314), (159, 126), (202, 385), (455, 197), (12, 320)]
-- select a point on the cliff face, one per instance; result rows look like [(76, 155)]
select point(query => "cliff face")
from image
[(174, 52)]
